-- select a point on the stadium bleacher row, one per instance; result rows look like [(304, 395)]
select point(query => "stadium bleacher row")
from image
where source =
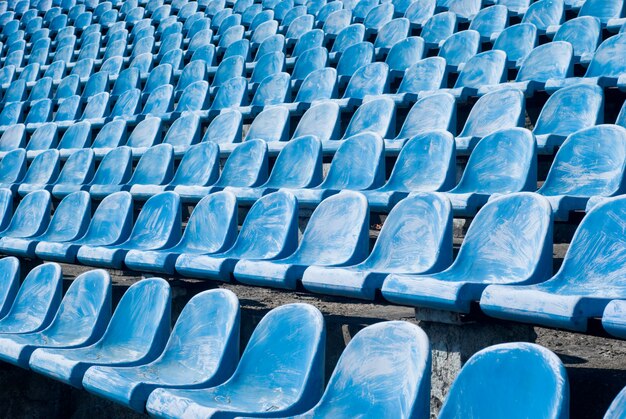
[(117, 117)]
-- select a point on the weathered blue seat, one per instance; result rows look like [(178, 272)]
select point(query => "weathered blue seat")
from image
[(267, 65), (269, 231), (490, 21), (226, 128), (9, 283), (502, 109), (404, 54), (298, 165), (145, 134), (426, 75), (390, 34), (229, 67), (513, 170), (525, 377), (584, 168), (618, 407), (136, 335), (292, 363), (438, 28), (482, 69), (13, 137), (309, 61), (336, 22), (272, 90), (551, 61), (12, 168), (158, 226), (416, 238), (82, 317), (376, 116), (606, 69), (369, 80), (329, 240), (318, 85), (155, 167), (76, 137), (608, 12), (247, 166), (321, 120), (69, 222), (567, 111), (114, 169), (544, 13), (77, 172), (404, 386), (516, 7), (40, 111), (584, 33), (348, 36), (36, 301), (211, 228), (459, 48), (231, 94), (41, 173), (508, 242), (111, 224), (202, 351), (345, 173), (426, 163), (193, 72), (354, 57), (614, 318), (587, 281)]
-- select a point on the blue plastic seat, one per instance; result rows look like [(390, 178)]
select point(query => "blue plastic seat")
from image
[(403, 54), (229, 67), (355, 57), (614, 319), (212, 228), (390, 34), (482, 69), (275, 89), (494, 111), (545, 13), (298, 165), (146, 134), (618, 407), (369, 80), (155, 167), (345, 174), (321, 120), (214, 344), (111, 224), (77, 172), (348, 36), (438, 28), (274, 43), (397, 250), (336, 22), (12, 138), (318, 85), (508, 242), (76, 137), (607, 67), (502, 163), (567, 111), (69, 222), (12, 168), (309, 61), (269, 231), (36, 302), (425, 75), (136, 335), (584, 168), (523, 377), (490, 21), (587, 281), (426, 163), (293, 364), (81, 319), (10, 283), (41, 173), (607, 11), (402, 387), (517, 41), (551, 61), (247, 166), (376, 116), (231, 94), (158, 226), (584, 33), (11, 114), (460, 48), (225, 128)]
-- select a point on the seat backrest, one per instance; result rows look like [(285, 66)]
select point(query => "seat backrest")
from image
[(155, 167), (392, 32), (439, 27), (433, 112), (321, 121), (13, 137), (348, 36), (590, 162), (224, 128), (354, 57), (141, 321), (184, 131), (13, 166), (78, 135), (37, 300), (40, 111), (9, 281), (212, 226), (521, 376), (309, 61), (270, 228), (97, 106), (551, 60), (292, 362), (160, 75), (115, 168), (517, 41), (271, 124), (378, 16), (571, 109), (231, 94), (273, 90), (460, 47), (312, 39), (483, 69), (584, 33), (199, 165), (358, 164), (502, 162), (44, 169), (299, 164), (610, 58), (426, 163), (545, 13), (247, 165), (405, 53), (229, 67), (602, 9), (494, 111), (78, 168), (269, 64), (70, 219), (337, 21), (127, 104), (146, 133), (195, 97), (371, 79), (160, 101), (425, 75), (159, 222), (357, 388), (490, 21), (376, 116), (318, 85), (112, 220), (299, 26)]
